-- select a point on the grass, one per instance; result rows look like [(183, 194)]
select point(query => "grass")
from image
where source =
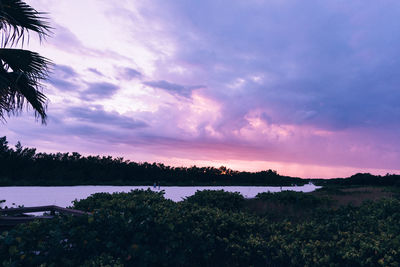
[(333, 198), (355, 196)]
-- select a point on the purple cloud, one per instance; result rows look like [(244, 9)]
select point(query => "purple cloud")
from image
[(309, 83), (62, 78), (95, 71), (66, 40), (99, 90), (129, 73), (306, 62), (99, 116), (173, 88), (65, 71)]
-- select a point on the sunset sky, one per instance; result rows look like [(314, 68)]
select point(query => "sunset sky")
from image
[(307, 88)]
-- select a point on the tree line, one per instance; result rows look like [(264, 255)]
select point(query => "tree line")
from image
[(24, 166), (366, 179)]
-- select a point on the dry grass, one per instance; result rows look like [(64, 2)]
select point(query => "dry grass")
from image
[(355, 195), (339, 196)]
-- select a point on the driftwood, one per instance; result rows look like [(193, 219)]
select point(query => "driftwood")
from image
[(23, 218)]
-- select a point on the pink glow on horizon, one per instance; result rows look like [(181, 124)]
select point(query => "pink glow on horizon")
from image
[(282, 168)]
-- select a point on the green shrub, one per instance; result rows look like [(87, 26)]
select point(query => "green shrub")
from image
[(121, 201), (141, 228), (217, 199)]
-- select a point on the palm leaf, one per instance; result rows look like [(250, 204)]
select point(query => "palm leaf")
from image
[(4, 94), (31, 63), (20, 80), (17, 18), (20, 91), (21, 71), (25, 89)]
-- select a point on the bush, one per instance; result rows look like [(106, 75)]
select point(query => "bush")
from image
[(121, 201), (137, 228), (141, 228), (217, 199)]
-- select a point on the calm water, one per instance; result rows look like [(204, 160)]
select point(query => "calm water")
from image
[(63, 195)]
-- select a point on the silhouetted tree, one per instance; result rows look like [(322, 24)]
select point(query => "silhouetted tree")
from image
[(73, 168), (21, 71)]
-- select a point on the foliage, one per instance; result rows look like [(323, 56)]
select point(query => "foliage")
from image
[(117, 201), (217, 199), (136, 228), (141, 228)]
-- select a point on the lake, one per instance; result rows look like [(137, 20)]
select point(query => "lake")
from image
[(63, 195)]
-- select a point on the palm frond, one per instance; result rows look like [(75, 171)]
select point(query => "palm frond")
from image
[(18, 18), (20, 77), (31, 63), (24, 89), (4, 94)]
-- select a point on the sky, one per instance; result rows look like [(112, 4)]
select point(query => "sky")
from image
[(306, 88)]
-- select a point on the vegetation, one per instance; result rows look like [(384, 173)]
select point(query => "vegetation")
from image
[(292, 198), (141, 228), (73, 169), (21, 71), (217, 199), (362, 179)]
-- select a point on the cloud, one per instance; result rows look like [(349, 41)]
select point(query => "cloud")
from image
[(65, 71), (95, 71), (62, 84), (305, 83), (173, 88), (99, 90), (97, 115), (62, 77), (66, 40), (127, 73), (328, 63)]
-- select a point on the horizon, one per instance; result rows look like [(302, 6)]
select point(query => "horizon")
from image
[(202, 164), (306, 89)]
